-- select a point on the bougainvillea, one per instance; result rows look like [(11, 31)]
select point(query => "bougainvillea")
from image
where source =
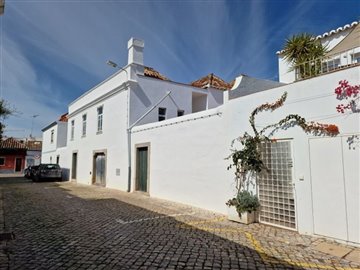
[(348, 92), (247, 161)]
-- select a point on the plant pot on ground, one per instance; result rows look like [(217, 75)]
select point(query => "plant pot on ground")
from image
[(243, 207)]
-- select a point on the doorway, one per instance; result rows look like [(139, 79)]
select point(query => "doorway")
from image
[(142, 168), (99, 176), (74, 166), (18, 163), (276, 189)]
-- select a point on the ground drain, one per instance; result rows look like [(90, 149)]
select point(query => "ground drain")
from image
[(6, 236)]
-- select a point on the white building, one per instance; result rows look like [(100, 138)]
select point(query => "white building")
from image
[(100, 121), (343, 51), (115, 138)]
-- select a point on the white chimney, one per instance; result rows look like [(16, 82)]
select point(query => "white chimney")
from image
[(136, 48)]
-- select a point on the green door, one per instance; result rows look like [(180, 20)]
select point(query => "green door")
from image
[(142, 169)]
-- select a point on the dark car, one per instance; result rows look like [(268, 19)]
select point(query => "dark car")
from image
[(29, 171), (47, 172)]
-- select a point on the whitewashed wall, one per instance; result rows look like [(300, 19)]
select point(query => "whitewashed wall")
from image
[(149, 91), (315, 100), (47, 145), (112, 140), (187, 158)]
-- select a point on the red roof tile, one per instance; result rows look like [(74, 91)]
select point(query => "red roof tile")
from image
[(213, 81), (64, 117), (150, 72), (11, 143)]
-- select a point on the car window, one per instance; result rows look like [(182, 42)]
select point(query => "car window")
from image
[(50, 166)]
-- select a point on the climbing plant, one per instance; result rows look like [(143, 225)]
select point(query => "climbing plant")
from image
[(247, 161), (350, 93)]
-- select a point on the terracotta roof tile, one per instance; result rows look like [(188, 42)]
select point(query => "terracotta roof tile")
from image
[(150, 72), (11, 143), (213, 81), (64, 117)]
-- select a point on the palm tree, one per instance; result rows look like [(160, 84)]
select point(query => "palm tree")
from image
[(303, 52)]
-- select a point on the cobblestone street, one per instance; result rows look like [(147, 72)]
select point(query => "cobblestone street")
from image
[(70, 226)]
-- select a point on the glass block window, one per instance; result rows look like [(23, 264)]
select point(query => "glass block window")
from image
[(275, 185)]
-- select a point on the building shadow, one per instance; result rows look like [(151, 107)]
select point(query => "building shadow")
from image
[(54, 229)]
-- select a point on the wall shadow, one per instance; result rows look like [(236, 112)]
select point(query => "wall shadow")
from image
[(55, 229)]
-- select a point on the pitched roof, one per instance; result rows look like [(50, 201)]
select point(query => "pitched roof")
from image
[(351, 41), (11, 143), (213, 81), (34, 145), (150, 72)]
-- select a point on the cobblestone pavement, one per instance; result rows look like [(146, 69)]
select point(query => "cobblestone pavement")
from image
[(70, 226)]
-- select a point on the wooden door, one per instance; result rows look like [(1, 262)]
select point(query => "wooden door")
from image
[(142, 169), (18, 163), (74, 166)]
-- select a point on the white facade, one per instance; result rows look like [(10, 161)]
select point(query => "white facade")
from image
[(54, 139), (126, 99), (184, 156)]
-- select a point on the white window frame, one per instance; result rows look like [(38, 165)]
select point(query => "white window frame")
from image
[(84, 119), (100, 119)]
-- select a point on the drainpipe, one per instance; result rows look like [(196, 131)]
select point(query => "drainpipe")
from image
[(129, 134)]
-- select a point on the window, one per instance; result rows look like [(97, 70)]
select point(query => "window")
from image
[(162, 114), (50, 159), (57, 159), (2, 161), (72, 130), (100, 119), (52, 136), (84, 125), (355, 58), (180, 112)]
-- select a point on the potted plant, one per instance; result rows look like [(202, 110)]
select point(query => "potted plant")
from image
[(243, 207)]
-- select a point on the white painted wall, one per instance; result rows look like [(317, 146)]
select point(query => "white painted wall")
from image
[(61, 136), (112, 140), (187, 157), (47, 145), (314, 99), (149, 91)]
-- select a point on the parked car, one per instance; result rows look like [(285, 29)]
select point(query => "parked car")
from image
[(47, 172), (29, 171)]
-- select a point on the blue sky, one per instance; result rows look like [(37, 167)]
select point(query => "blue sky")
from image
[(53, 51)]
